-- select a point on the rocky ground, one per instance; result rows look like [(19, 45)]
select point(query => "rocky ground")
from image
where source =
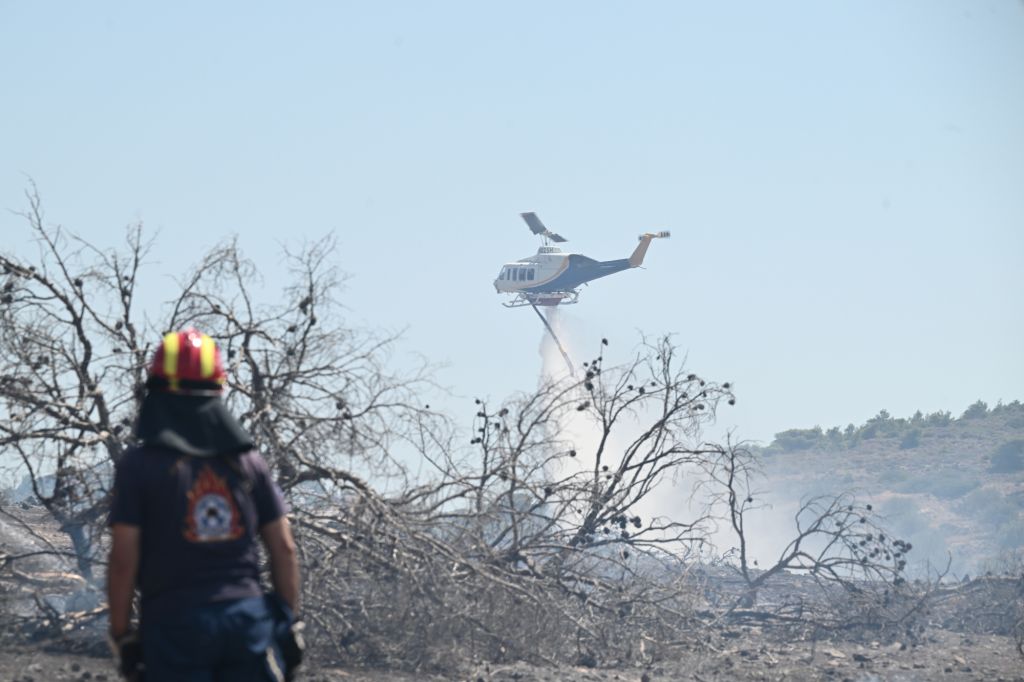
[(741, 656)]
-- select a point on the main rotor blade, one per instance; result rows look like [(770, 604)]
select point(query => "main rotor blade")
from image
[(537, 227)]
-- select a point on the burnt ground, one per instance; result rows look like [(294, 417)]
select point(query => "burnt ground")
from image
[(971, 633), (733, 655)]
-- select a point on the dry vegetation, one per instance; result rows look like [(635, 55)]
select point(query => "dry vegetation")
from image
[(515, 545)]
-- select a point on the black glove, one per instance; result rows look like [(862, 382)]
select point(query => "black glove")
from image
[(287, 634), (128, 651), (293, 647)]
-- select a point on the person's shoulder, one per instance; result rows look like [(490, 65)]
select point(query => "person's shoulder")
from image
[(130, 458), (253, 462), (139, 457)]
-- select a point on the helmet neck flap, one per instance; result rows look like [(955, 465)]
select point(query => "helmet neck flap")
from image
[(198, 425)]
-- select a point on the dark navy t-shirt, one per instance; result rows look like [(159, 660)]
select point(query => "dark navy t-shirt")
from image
[(200, 519)]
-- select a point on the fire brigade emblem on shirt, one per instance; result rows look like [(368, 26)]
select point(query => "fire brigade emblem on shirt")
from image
[(212, 513)]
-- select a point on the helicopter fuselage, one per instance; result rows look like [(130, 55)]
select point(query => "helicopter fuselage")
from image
[(552, 277)]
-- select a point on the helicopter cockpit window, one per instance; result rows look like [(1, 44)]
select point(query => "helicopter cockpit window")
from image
[(529, 274), (520, 274)]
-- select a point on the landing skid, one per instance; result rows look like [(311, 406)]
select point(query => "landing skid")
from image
[(547, 299)]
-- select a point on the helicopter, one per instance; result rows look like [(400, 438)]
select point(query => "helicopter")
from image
[(552, 277)]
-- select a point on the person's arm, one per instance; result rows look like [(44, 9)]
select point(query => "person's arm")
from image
[(121, 571), (284, 561)]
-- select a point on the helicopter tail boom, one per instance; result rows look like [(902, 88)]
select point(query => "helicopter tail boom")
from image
[(637, 258)]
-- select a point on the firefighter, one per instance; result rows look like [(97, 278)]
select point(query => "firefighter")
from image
[(190, 505)]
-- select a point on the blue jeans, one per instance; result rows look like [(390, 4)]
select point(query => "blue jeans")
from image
[(229, 641)]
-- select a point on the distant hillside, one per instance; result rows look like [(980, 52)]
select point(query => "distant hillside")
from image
[(945, 483)]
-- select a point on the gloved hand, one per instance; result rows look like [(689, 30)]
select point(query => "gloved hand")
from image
[(127, 650), (293, 647), (287, 634)]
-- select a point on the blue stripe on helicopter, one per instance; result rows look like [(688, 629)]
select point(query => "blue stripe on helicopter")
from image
[(581, 269)]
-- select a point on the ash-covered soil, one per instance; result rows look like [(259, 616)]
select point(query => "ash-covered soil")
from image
[(744, 654), (967, 632)]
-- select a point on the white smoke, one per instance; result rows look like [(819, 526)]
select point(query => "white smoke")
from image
[(769, 526), (674, 497), (579, 428)]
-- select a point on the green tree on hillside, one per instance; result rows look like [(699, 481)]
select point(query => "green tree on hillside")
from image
[(798, 439), (1008, 458), (978, 410), (911, 439)]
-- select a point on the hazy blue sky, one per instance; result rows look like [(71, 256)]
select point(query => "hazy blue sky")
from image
[(844, 181)]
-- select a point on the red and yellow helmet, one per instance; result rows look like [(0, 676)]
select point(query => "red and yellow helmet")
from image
[(187, 362)]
